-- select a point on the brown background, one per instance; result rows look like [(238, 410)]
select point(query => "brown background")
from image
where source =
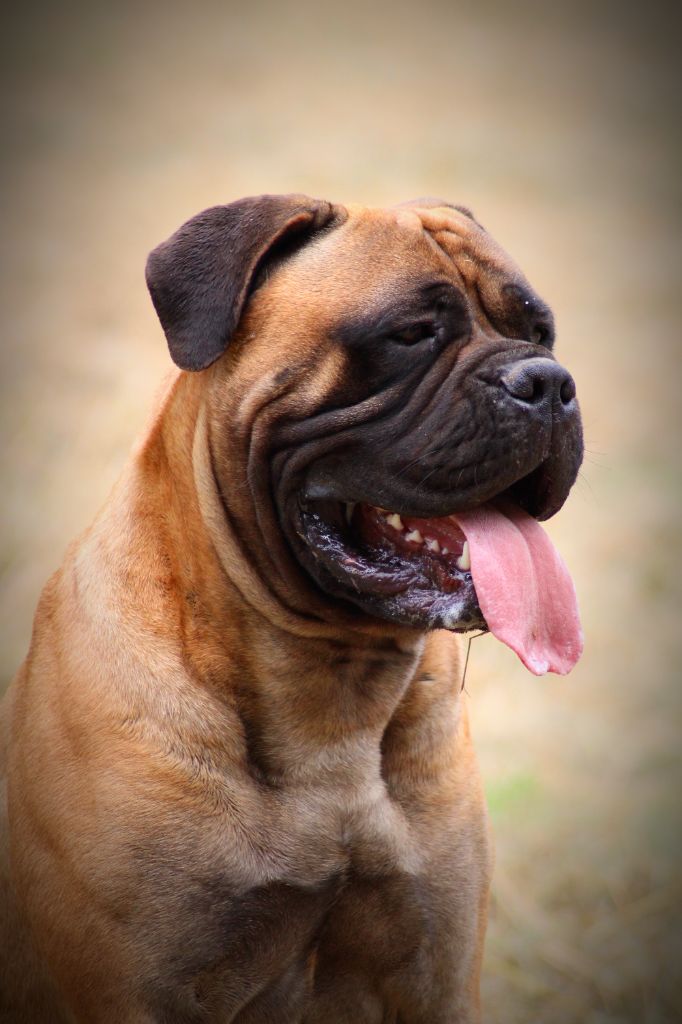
[(558, 125)]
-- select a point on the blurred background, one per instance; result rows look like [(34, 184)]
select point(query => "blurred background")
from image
[(558, 125)]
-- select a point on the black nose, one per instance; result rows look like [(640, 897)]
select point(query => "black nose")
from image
[(539, 382)]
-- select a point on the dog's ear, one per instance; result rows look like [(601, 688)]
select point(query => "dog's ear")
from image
[(199, 279)]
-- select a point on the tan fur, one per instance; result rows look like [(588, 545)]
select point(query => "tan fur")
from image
[(191, 723)]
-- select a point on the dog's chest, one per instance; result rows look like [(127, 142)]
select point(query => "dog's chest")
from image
[(337, 881)]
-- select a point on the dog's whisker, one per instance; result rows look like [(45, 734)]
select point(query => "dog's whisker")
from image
[(583, 482), (424, 455)]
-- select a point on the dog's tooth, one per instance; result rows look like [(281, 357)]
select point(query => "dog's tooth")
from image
[(395, 521), (432, 544), (350, 508), (464, 562), (414, 535), (446, 551)]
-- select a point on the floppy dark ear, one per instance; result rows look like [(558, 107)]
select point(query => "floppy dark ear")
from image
[(199, 279)]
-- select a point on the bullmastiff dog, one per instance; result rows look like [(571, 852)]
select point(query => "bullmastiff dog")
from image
[(241, 786)]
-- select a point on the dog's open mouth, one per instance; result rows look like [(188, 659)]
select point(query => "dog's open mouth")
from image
[(410, 570), (491, 567)]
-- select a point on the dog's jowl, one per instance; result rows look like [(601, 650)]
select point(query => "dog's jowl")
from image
[(240, 782)]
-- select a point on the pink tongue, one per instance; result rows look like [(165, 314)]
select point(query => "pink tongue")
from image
[(523, 587)]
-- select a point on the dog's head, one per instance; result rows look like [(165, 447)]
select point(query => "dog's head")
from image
[(381, 381)]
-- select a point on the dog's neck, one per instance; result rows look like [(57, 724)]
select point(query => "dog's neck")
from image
[(309, 694)]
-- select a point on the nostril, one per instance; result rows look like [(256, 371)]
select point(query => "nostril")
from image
[(524, 385), (536, 388), (525, 381), (567, 390)]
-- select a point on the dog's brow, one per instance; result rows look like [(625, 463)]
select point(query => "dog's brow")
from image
[(520, 313), (402, 305), (449, 219)]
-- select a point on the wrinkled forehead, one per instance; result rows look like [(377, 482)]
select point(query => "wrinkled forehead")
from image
[(457, 233), (434, 236), (415, 238), (378, 257)]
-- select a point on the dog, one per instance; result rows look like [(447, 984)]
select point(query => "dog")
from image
[(241, 785)]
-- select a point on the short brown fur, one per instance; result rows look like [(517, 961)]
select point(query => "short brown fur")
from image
[(230, 797)]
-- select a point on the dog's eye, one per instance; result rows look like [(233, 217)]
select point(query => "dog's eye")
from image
[(415, 333), (541, 334)]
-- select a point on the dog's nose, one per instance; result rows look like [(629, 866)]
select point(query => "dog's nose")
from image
[(539, 382)]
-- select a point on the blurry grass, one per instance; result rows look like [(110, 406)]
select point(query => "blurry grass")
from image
[(583, 952), (520, 792)]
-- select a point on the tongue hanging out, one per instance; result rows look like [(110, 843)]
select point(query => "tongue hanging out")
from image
[(524, 590)]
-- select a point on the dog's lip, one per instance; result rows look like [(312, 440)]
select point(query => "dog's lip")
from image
[(388, 573), (344, 507), (528, 490), (433, 536), (315, 495)]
